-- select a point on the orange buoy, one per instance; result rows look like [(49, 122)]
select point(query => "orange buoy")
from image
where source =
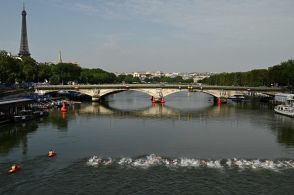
[(14, 169), (51, 153)]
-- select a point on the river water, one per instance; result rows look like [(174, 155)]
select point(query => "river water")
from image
[(126, 145)]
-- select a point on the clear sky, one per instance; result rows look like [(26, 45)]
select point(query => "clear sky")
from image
[(142, 35)]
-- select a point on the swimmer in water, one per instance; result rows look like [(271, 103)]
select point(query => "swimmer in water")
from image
[(51, 153)]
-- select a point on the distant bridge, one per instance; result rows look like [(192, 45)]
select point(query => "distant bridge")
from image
[(157, 91)]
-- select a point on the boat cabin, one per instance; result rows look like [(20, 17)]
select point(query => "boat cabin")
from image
[(282, 98)]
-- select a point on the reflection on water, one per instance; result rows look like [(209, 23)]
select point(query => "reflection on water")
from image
[(283, 126), (227, 130), (206, 110), (59, 120), (15, 136)]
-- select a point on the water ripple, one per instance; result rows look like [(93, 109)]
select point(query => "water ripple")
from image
[(155, 160)]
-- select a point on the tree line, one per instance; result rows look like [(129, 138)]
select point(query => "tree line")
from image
[(277, 75), (26, 69)]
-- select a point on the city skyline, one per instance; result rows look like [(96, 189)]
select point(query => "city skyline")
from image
[(128, 35)]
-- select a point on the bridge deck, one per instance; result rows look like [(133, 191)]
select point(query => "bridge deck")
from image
[(153, 86)]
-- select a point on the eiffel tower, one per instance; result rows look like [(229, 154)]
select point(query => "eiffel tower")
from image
[(24, 46)]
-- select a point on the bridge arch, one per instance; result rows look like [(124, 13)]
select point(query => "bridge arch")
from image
[(213, 94), (157, 93), (222, 93), (41, 92), (106, 92)]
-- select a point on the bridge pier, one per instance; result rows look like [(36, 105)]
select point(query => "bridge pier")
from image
[(220, 100), (157, 99), (223, 99)]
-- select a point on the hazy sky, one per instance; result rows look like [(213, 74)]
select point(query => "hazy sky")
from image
[(141, 35)]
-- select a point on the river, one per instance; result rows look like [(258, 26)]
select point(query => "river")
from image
[(126, 145)]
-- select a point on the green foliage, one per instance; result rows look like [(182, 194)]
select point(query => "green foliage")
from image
[(29, 69), (10, 69), (44, 72), (127, 79), (163, 79), (96, 76), (54, 80), (66, 72), (281, 75)]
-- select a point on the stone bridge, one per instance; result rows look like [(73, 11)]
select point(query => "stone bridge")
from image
[(157, 91)]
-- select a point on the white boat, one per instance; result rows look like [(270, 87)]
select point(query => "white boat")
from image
[(287, 109)]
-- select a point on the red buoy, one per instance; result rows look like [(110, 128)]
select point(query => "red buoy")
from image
[(153, 99), (63, 108), (219, 102), (162, 100)]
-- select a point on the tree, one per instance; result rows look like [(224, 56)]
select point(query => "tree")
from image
[(96, 76), (129, 78), (66, 72), (29, 69), (10, 69), (282, 75), (44, 72), (54, 80)]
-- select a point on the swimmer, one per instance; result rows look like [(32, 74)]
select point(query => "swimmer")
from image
[(14, 168), (51, 153)]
